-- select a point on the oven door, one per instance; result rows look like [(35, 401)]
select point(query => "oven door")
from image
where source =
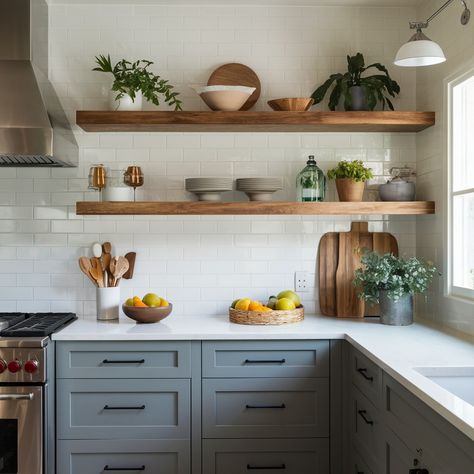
[(21, 435)]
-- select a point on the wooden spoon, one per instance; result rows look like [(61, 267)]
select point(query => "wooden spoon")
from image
[(107, 247), (105, 264), (130, 256), (96, 249), (121, 267), (96, 272), (85, 266)]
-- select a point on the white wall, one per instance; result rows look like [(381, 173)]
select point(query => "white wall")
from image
[(457, 42), (201, 264)]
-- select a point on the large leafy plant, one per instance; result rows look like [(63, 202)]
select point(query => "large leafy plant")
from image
[(354, 170), (397, 276), (377, 87), (130, 78)]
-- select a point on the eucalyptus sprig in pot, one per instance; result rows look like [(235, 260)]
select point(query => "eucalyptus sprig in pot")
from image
[(392, 281), (350, 179), (133, 81), (357, 91)]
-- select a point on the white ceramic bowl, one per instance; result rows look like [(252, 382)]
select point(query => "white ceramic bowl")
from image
[(224, 98)]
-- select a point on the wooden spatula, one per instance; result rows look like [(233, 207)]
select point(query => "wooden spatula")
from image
[(85, 266), (96, 272), (120, 268), (130, 256)]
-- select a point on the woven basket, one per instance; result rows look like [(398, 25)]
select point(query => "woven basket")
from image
[(269, 318)]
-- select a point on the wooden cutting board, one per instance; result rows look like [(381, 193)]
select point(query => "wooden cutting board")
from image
[(339, 257), (235, 74)]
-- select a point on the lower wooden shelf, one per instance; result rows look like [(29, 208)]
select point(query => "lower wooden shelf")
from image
[(254, 208)]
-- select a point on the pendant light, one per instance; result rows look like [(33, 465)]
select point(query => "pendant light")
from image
[(421, 50)]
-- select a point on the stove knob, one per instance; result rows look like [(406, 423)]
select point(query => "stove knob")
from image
[(3, 366), (14, 366), (31, 366)]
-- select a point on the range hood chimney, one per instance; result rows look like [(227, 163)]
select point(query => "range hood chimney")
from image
[(26, 133)]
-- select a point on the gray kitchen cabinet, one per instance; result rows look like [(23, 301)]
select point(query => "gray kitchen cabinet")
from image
[(288, 456), (113, 456), (115, 360), (111, 408), (229, 359), (265, 408)]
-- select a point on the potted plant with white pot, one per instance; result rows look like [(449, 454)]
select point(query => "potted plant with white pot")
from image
[(359, 92), (350, 179), (133, 81), (392, 281)]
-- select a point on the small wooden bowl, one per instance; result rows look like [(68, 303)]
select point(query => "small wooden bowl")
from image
[(269, 318), (147, 315), (291, 104)]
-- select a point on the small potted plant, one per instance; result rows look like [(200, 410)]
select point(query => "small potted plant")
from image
[(359, 93), (133, 81), (392, 281), (350, 179)]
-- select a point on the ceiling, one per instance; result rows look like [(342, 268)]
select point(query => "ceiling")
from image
[(378, 3)]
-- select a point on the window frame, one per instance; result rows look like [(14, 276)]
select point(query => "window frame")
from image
[(451, 290)]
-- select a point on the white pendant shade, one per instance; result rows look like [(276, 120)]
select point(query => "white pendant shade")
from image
[(419, 53)]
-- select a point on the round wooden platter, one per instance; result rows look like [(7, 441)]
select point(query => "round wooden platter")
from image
[(236, 74), (269, 318)]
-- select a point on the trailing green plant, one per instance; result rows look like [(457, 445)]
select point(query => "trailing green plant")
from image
[(397, 276), (132, 77), (354, 170), (377, 87)]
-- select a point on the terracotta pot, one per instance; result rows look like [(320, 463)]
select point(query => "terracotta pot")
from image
[(349, 190)]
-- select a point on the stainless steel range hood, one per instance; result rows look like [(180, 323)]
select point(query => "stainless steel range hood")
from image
[(26, 133)]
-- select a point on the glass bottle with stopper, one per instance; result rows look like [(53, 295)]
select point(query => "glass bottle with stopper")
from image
[(311, 183)]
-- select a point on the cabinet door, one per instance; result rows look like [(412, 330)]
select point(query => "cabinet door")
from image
[(278, 408)]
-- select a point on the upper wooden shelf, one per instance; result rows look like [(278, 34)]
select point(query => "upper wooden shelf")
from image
[(254, 208), (105, 121)]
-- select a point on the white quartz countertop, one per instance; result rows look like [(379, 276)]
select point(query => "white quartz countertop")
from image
[(397, 350)]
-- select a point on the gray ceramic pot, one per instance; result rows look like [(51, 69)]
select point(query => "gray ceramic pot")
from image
[(399, 313), (397, 190), (359, 99)]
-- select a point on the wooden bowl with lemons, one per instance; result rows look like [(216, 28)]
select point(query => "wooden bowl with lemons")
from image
[(141, 313)]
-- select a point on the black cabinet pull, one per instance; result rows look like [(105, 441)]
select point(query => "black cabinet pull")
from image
[(141, 407), (139, 361), (362, 414), (251, 468), (107, 468), (266, 406), (418, 471), (363, 372), (268, 361)]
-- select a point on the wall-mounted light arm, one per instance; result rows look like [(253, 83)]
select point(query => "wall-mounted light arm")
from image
[(420, 50)]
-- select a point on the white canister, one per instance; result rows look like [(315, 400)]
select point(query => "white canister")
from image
[(108, 303), (125, 103), (117, 193)]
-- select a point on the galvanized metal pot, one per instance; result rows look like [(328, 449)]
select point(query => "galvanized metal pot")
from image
[(396, 313)]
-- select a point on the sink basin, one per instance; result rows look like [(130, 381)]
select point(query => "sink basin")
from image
[(457, 380)]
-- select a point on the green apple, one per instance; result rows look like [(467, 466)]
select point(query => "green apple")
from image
[(290, 295), (152, 300), (272, 302)]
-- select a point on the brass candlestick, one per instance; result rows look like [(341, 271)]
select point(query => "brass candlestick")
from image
[(97, 178), (134, 178)]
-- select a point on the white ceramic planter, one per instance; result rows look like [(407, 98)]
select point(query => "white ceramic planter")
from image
[(125, 103), (108, 303)]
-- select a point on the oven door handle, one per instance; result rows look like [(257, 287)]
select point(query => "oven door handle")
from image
[(16, 396)]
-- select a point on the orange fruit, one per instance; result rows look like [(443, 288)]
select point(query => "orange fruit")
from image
[(138, 302)]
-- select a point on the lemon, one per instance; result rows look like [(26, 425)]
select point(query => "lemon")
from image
[(129, 302), (290, 295), (284, 304), (164, 303), (243, 304), (152, 300)]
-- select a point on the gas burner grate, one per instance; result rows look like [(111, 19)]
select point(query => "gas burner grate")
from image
[(39, 324)]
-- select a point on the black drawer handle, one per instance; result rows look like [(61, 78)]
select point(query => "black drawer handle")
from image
[(362, 414), (251, 468), (107, 468), (139, 361), (418, 471), (141, 407), (269, 361), (265, 406), (363, 372)]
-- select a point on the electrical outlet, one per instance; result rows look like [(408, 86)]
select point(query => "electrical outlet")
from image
[(302, 282)]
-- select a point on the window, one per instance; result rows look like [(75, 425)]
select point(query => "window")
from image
[(461, 187)]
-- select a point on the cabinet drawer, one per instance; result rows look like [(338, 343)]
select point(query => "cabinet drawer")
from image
[(287, 456), (105, 409), (123, 360), (266, 408), (265, 359), (358, 464), (365, 423), (366, 376), (104, 457)]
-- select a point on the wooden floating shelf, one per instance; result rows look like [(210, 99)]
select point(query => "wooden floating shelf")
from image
[(254, 208), (105, 121)]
